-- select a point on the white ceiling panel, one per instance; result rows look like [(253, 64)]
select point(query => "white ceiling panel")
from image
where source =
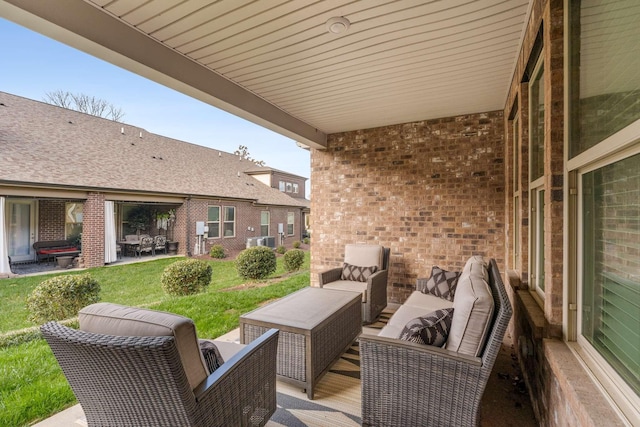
[(398, 61)]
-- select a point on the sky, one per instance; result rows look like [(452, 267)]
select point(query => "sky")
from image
[(33, 65)]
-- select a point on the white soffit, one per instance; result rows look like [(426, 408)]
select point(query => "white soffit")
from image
[(399, 61)]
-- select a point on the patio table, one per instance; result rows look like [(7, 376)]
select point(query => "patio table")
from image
[(316, 326)]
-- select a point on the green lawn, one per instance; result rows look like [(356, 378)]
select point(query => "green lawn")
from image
[(32, 386)]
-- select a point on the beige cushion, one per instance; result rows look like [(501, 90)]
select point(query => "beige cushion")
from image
[(472, 309), (417, 305), (119, 320), (348, 285), (364, 255)]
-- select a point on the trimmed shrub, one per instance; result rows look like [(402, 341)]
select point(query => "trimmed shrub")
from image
[(61, 297), (293, 260), (256, 263), (306, 240), (216, 251), (281, 250), (186, 277), (296, 244)]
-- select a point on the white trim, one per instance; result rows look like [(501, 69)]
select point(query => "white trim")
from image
[(619, 141), (623, 397)]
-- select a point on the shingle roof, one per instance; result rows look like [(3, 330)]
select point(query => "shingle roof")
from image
[(45, 144)]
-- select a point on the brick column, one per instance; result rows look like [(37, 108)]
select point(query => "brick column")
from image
[(180, 228), (93, 230)]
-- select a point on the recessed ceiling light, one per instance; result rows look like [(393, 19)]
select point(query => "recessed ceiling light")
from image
[(338, 25)]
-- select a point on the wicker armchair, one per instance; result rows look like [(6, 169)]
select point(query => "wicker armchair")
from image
[(408, 384), (374, 289), (144, 380)]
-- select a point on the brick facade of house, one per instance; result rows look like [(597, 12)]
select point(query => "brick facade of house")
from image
[(247, 223), (432, 191), (562, 391), (51, 225)]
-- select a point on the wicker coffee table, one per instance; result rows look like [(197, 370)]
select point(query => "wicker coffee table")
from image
[(316, 327)]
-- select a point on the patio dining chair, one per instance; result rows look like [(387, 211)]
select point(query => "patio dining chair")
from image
[(129, 366), (146, 245), (159, 244)]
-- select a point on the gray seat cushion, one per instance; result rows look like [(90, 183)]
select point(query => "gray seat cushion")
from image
[(113, 319)]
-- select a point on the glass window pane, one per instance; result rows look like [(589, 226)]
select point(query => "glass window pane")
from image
[(611, 270), (228, 229), (264, 223), (290, 220), (213, 221), (605, 57), (73, 220), (214, 213), (536, 131), (229, 213)]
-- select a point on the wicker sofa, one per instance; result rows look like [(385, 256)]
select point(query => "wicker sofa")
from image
[(136, 367), (405, 383)]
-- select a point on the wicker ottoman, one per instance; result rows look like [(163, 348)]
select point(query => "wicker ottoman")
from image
[(316, 327)]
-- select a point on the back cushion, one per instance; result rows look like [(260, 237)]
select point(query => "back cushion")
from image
[(113, 319), (473, 309), (363, 255)]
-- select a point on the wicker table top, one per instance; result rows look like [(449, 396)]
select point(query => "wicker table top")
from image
[(304, 309)]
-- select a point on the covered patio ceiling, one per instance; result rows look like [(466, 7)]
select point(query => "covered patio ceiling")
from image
[(275, 63)]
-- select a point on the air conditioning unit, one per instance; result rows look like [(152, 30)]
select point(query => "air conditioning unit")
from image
[(252, 241), (269, 241)]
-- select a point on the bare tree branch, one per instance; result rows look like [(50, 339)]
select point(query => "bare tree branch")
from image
[(85, 104), (243, 153)]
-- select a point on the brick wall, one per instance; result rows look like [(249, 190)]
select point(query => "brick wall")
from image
[(93, 230), (247, 223), (51, 220), (432, 191)]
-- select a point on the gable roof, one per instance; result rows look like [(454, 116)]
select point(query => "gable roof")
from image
[(42, 144)]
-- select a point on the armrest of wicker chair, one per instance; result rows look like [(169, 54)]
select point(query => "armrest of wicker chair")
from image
[(376, 295), (404, 383), (329, 276), (243, 390)]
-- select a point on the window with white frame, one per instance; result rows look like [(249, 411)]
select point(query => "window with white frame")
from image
[(281, 185), (295, 188), (604, 154), (291, 217), (213, 221), (229, 224), (536, 183), (289, 187), (265, 220)]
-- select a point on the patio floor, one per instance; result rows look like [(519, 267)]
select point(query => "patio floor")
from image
[(337, 398), (34, 268)]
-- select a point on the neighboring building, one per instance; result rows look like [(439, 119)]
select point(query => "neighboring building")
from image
[(292, 185), (65, 174)]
